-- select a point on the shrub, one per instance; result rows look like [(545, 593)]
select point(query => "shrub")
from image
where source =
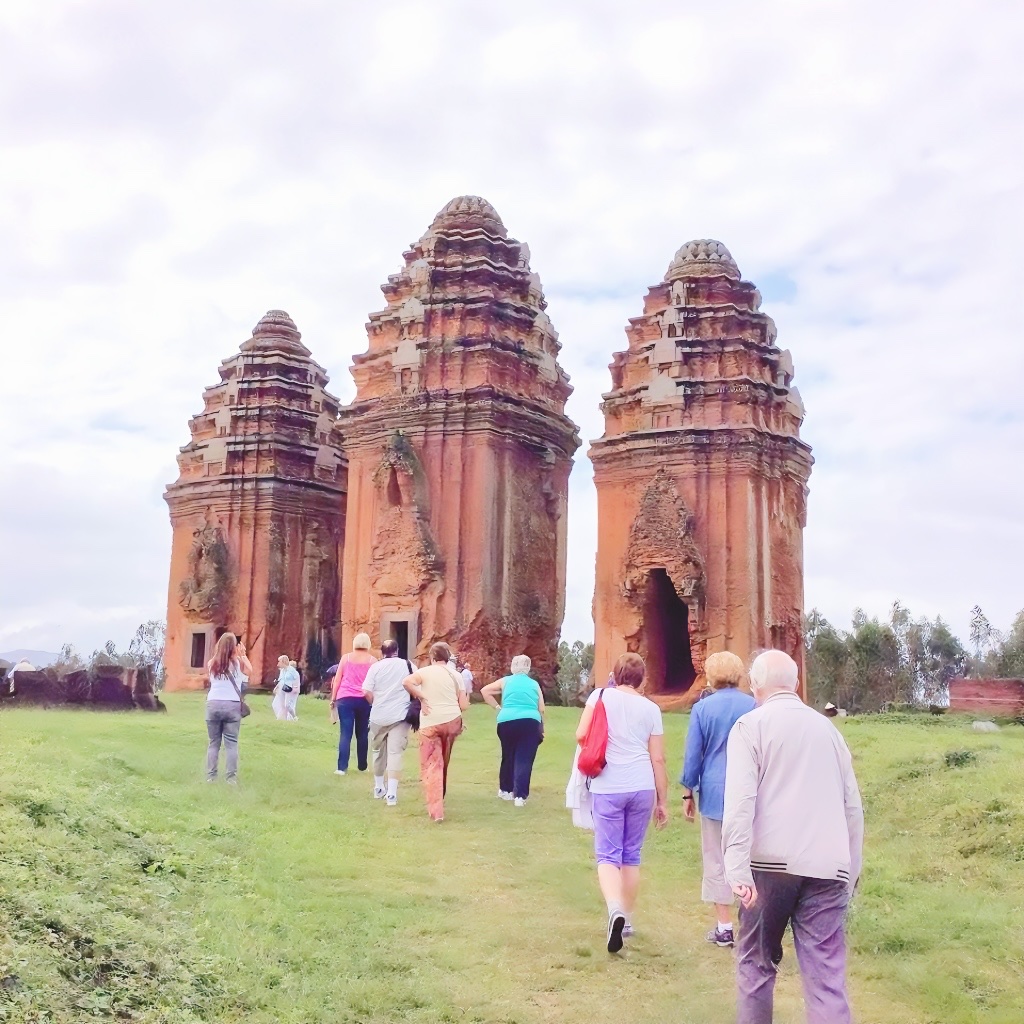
[(960, 758)]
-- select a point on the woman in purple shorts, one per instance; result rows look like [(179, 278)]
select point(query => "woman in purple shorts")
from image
[(632, 787)]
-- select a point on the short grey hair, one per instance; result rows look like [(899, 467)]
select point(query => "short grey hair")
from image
[(774, 670), (521, 664)]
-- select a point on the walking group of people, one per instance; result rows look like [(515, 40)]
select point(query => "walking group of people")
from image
[(780, 812), (378, 703), (782, 824)]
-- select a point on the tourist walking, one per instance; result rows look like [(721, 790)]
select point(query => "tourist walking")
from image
[(351, 706), (285, 689), (293, 696), (711, 719), (520, 728), (467, 679), (631, 788), (793, 833), (228, 671), (442, 701), (389, 731)]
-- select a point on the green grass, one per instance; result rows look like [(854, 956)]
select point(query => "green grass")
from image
[(130, 890)]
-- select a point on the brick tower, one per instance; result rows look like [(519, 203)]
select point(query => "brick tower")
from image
[(459, 453), (701, 481), (258, 514)]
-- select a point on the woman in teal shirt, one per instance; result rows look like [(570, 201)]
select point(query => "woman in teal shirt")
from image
[(520, 728)]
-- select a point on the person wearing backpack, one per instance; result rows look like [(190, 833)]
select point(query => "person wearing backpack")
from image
[(630, 787)]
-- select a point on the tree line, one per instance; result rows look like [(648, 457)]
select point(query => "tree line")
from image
[(903, 660), (145, 650)]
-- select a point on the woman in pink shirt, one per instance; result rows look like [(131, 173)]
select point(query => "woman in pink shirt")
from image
[(351, 706)]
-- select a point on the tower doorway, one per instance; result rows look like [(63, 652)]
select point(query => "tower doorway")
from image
[(666, 620), (403, 628), (400, 634)]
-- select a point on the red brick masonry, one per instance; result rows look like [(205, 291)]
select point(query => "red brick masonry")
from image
[(991, 696)]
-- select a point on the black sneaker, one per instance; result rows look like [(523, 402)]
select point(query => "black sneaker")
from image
[(721, 937), (616, 924)]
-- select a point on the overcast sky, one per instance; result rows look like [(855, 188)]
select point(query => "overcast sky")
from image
[(170, 171)]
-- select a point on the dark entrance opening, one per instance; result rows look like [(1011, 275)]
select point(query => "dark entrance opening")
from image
[(394, 491), (198, 658), (666, 629), (400, 634)]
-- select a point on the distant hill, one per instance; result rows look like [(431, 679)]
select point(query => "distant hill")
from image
[(39, 659)]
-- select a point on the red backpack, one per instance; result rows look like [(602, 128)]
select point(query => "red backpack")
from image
[(591, 761)]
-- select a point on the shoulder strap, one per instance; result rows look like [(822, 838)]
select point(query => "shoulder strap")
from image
[(231, 676)]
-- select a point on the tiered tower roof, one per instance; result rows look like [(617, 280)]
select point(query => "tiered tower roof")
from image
[(702, 357), (465, 314), (269, 416)]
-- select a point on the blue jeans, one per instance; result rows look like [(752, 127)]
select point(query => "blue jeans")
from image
[(353, 715), (223, 720)]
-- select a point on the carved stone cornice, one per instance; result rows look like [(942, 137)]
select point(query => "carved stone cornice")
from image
[(473, 411)]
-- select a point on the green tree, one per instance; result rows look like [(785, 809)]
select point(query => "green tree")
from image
[(826, 656), (575, 664), (983, 637), (147, 648)]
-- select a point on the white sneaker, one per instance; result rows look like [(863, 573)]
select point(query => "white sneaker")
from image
[(503, 795), (391, 800), (379, 794), (520, 801), (338, 771)]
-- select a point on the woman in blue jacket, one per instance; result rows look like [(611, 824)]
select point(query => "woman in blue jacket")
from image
[(711, 720)]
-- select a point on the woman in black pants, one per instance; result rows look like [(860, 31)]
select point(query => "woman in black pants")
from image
[(520, 728)]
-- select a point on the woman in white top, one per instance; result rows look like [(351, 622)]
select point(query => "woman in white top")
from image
[(228, 669), (284, 700), (632, 786)]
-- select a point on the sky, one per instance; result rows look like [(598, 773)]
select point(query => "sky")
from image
[(170, 171)]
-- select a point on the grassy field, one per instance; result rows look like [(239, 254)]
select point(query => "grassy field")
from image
[(131, 890)]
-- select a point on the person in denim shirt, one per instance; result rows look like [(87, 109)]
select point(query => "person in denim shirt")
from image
[(711, 721)]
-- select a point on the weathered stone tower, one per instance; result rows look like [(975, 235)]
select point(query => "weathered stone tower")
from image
[(701, 480), (459, 453), (258, 513)]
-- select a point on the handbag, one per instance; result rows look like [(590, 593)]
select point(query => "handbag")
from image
[(243, 709), (286, 688), (594, 748), (412, 716)]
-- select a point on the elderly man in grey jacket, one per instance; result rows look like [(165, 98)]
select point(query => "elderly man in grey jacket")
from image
[(793, 834)]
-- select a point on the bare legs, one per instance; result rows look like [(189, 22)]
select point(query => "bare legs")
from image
[(619, 886)]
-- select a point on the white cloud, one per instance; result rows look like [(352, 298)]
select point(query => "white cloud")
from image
[(171, 171)]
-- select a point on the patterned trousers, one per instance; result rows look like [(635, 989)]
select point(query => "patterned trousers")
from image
[(436, 742)]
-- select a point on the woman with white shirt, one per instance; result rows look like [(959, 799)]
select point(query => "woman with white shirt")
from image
[(286, 690), (631, 788), (229, 670)]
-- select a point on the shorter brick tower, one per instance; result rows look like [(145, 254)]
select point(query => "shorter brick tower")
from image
[(258, 514), (459, 453), (701, 481)]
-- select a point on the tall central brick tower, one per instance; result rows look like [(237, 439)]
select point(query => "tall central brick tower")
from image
[(701, 481), (459, 453)]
